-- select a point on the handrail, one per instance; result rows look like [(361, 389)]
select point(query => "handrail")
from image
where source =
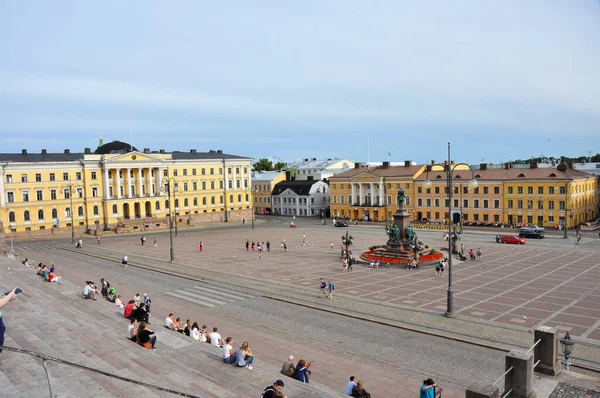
[(45, 358), (533, 346), (501, 377)]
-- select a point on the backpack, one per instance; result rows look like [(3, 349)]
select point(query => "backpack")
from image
[(268, 389)]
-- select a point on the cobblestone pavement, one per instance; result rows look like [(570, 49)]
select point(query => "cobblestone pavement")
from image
[(565, 390)]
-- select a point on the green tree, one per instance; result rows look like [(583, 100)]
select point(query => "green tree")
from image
[(278, 166), (263, 165)]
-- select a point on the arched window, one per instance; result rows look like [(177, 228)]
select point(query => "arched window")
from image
[(176, 203), (157, 206), (167, 204), (212, 200), (96, 212), (204, 201), (221, 199), (195, 202), (115, 209), (246, 197), (26, 216), (185, 202), (40, 214), (80, 211), (11, 217), (240, 198), (230, 198), (68, 212), (54, 213)]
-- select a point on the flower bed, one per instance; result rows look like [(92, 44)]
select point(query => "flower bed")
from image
[(370, 255)]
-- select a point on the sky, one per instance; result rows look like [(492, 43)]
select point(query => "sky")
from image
[(500, 80)]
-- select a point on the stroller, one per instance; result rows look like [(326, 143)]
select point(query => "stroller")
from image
[(112, 294)]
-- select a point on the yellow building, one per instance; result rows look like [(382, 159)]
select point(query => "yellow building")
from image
[(369, 193), (120, 188), (262, 186)]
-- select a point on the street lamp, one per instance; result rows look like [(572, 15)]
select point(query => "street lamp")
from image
[(12, 248), (566, 200), (567, 348), (69, 188), (170, 185), (449, 168), (347, 242)]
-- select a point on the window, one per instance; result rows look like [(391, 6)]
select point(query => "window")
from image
[(185, 186), (496, 203), (562, 190), (485, 191), (519, 204), (509, 204), (230, 184), (195, 185), (212, 171), (80, 211), (11, 217), (40, 214), (239, 198), (334, 199), (78, 176), (221, 184), (39, 194), (167, 204), (428, 201), (237, 184), (485, 217), (26, 216), (437, 190), (38, 177), (25, 196), (245, 183), (203, 185), (176, 203), (165, 173), (195, 202), (561, 205), (185, 202), (94, 175), (550, 219), (550, 205), (212, 185), (551, 190), (237, 170), (428, 190), (95, 192), (79, 192), (175, 172), (10, 196), (193, 172), (203, 172), (230, 198), (540, 190), (221, 199), (245, 170), (420, 202), (540, 205), (476, 203), (419, 190), (496, 190), (65, 176), (476, 190), (203, 201), (54, 213), (53, 194), (184, 172), (157, 205), (520, 190), (220, 170), (96, 210), (23, 177), (115, 209), (485, 204), (437, 202), (510, 190), (455, 202), (496, 218), (476, 217), (530, 190), (465, 203), (8, 178)]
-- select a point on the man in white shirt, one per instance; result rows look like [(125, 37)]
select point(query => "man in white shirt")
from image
[(228, 351), (169, 321), (88, 291), (350, 386), (215, 338)]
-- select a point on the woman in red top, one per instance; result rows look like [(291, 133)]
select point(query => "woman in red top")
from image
[(128, 312)]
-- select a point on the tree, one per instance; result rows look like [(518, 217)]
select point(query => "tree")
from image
[(263, 165), (278, 166)]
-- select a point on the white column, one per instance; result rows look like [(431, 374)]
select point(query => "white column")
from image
[(381, 198), (360, 193), (372, 186), (2, 193), (129, 195), (297, 206), (353, 201), (118, 175), (234, 176), (140, 183), (106, 190), (157, 180)]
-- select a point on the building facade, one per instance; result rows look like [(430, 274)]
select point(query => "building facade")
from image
[(304, 198), (262, 187), (318, 169), (119, 186)]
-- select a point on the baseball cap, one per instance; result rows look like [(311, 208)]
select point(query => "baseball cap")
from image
[(279, 383)]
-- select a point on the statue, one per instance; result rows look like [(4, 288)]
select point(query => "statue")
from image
[(401, 197), (394, 233), (410, 234)]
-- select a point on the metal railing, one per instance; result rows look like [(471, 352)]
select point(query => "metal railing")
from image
[(46, 358)]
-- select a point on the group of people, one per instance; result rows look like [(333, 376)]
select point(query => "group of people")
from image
[(439, 267), (138, 332), (241, 357), (326, 288), (356, 389), (46, 271), (300, 371), (258, 246), (136, 308)]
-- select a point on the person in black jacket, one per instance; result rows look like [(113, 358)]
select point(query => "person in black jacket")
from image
[(141, 314), (274, 390), (145, 337)]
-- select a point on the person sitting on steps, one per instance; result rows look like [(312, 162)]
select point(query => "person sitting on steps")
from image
[(145, 337)]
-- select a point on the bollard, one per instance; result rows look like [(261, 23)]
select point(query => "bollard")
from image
[(546, 351), (482, 391), (519, 380)]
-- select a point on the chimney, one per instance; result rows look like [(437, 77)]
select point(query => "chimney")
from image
[(533, 165), (310, 178), (483, 166), (386, 165), (44, 152), (314, 159), (87, 151), (306, 160), (211, 151), (407, 163), (288, 175), (433, 162), (507, 165), (356, 165), (192, 151), (146, 150), (67, 151), (161, 151), (219, 151), (24, 151)]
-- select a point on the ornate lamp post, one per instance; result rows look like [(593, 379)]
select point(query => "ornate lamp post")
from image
[(347, 242), (170, 185), (449, 168), (567, 348), (69, 188)]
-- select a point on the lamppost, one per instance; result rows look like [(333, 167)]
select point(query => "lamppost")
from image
[(347, 242), (170, 185), (566, 209), (567, 348), (12, 248), (449, 168), (252, 216), (69, 188)]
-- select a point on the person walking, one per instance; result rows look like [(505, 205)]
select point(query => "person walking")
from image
[(330, 289), (247, 244), (323, 288), (3, 302), (252, 245), (268, 246), (478, 254), (201, 247), (143, 239), (303, 239), (147, 302), (155, 243), (98, 239), (437, 269), (331, 245), (125, 260), (577, 239), (442, 266)]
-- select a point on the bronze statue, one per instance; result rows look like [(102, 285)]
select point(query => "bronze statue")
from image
[(401, 197), (410, 234), (394, 233)]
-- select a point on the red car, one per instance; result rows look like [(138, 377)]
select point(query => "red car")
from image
[(512, 239)]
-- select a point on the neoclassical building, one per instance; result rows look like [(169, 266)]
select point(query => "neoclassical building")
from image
[(118, 187)]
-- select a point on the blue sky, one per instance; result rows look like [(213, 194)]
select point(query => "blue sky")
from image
[(500, 80)]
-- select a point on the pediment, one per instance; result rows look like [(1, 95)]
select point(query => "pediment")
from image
[(365, 176), (132, 157)]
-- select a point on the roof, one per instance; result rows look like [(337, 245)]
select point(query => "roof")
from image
[(315, 163), (499, 174), (394, 171), (203, 155), (300, 187), (40, 157), (266, 175), (114, 147)]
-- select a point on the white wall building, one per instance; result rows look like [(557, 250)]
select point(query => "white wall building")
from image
[(303, 198)]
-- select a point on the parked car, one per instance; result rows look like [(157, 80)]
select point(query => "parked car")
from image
[(516, 240), (339, 223), (535, 228), (530, 233)]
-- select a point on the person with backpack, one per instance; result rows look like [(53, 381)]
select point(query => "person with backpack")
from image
[(274, 390), (330, 289)]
